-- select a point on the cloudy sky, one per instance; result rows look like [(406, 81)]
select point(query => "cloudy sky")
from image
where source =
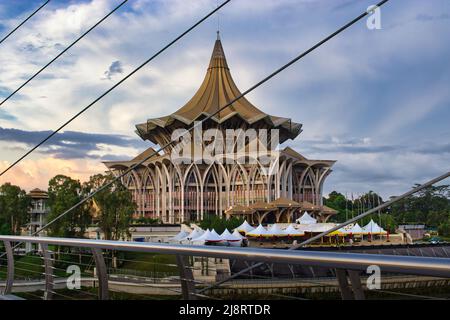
[(377, 101)]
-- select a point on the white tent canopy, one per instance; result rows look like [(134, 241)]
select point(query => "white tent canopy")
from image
[(208, 236), (227, 236), (356, 229), (290, 230), (237, 234), (182, 234), (306, 219), (245, 227), (373, 227), (194, 234), (259, 231), (275, 230), (316, 227), (213, 236), (344, 230)]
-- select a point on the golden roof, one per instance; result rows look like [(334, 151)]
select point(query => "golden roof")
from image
[(285, 203), (218, 89), (263, 206), (148, 152), (293, 153), (308, 206), (329, 210), (239, 209)]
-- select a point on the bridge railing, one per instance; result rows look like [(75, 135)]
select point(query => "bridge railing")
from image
[(100, 272)]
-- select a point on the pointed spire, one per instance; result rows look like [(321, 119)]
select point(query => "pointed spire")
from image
[(218, 59), (216, 90)]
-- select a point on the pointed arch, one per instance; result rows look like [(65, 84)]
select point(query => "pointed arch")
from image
[(238, 185), (257, 185), (210, 190), (148, 193), (192, 189), (132, 182)]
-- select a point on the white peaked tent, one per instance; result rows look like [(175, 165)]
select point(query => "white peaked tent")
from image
[(194, 234), (373, 228), (316, 227), (227, 236), (202, 238), (237, 234), (257, 232), (244, 227), (306, 219), (182, 234), (232, 239), (356, 229), (275, 230), (344, 231), (213, 237), (291, 231)]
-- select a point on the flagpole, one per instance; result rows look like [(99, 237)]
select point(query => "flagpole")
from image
[(346, 206), (353, 210)]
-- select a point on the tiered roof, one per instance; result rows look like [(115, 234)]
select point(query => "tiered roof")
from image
[(218, 89)]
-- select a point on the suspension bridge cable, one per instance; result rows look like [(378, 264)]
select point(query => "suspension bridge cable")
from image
[(62, 52), (114, 86), (23, 22), (199, 123)]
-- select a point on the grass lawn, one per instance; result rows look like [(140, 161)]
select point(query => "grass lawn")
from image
[(91, 293), (31, 266), (28, 266)]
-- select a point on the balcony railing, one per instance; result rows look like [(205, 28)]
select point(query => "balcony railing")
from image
[(349, 265)]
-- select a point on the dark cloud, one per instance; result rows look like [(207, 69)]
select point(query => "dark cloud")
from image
[(359, 146), (114, 68), (365, 175), (386, 168), (434, 148), (72, 144), (349, 145), (352, 148)]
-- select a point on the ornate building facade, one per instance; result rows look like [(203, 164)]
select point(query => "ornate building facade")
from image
[(179, 192)]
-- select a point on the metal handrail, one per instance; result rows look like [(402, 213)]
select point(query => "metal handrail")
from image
[(430, 266)]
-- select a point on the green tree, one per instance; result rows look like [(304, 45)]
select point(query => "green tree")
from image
[(115, 204), (64, 192), (338, 202), (14, 206), (347, 208), (146, 221), (220, 224), (431, 206), (444, 228)]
